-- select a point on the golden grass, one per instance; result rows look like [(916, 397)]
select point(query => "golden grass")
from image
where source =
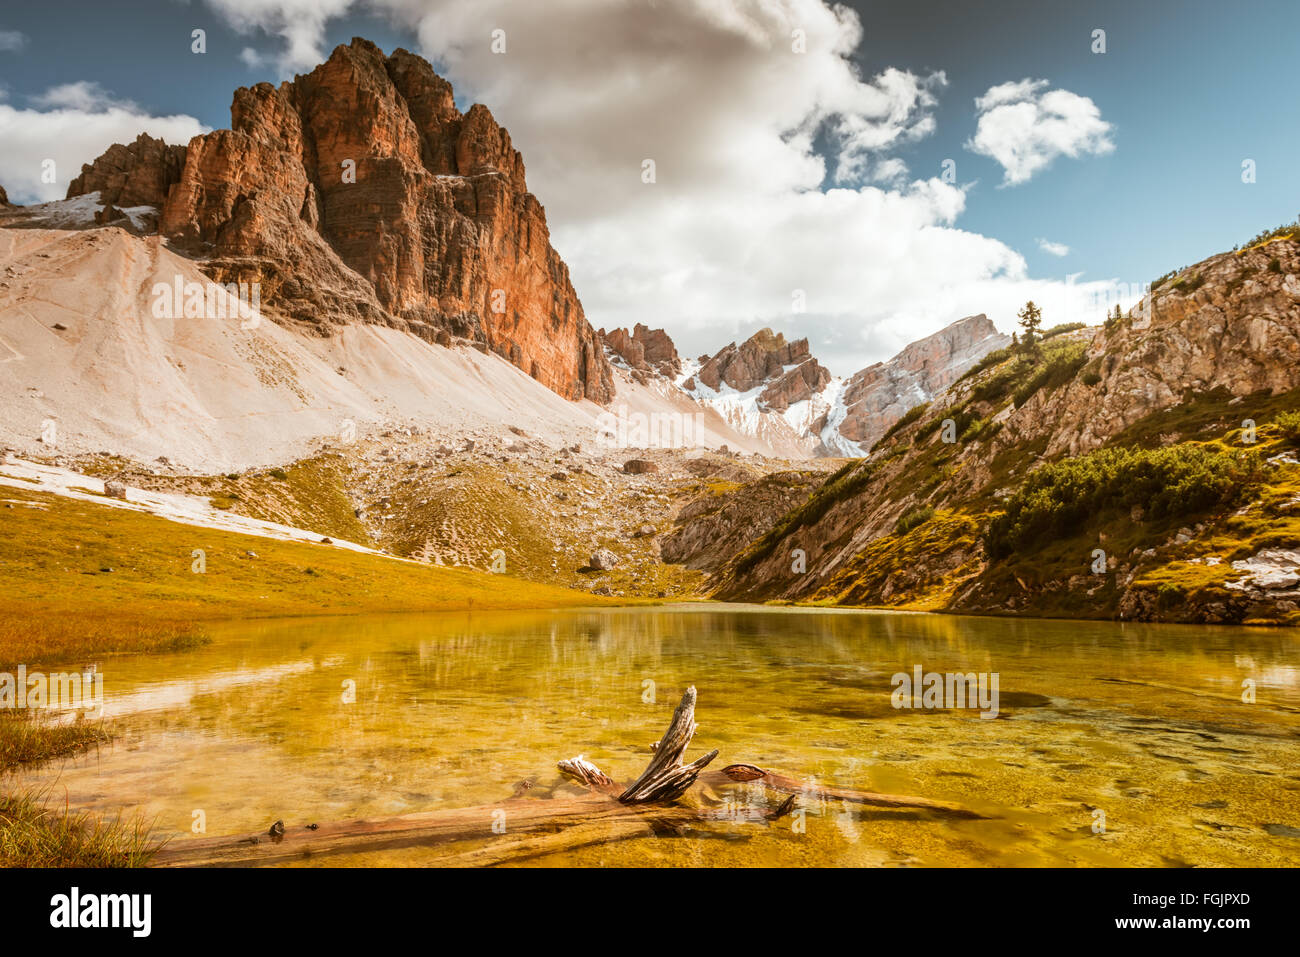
[(34, 835), (85, 579), (33, 634), (29, 737)]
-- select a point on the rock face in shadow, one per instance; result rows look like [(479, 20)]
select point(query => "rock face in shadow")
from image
[(715, 526), (360, 193)]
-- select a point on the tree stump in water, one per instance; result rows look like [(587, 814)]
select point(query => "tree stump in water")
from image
[(665, 777)]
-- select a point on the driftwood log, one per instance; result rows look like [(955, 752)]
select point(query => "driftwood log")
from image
[(525, 826)]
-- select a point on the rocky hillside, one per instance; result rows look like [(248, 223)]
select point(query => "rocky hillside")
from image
[(717, 523), (1146, 469), (360, 193), (511, 501)]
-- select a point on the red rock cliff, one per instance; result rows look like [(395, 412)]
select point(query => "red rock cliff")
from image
[(359, 192)]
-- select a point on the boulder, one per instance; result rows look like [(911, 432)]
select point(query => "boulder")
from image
[(603, 560)]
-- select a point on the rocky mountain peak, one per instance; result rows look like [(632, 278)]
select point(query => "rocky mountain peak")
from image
[(762, 357), (644, 350), (358, 192), (135, 174)]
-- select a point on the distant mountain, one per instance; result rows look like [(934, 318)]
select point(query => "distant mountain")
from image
[(353, 202), (765, 386), (881, 394), (777, 391)]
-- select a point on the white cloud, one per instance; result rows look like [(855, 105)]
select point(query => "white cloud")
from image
[(11, 41), (252, 58), (891, 110), (300, 23), (82, 95), (891, 170), (79, 122), (738, 219), (1054, 249), (1024, 127)]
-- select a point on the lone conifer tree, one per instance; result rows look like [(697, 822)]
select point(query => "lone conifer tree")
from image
[(1031, 320)]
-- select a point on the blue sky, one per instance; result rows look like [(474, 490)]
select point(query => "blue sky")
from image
[(1187, 91), (1192, 89)]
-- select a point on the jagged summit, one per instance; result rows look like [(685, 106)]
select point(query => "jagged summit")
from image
[(359, 196), (644, 351), (358, 192)]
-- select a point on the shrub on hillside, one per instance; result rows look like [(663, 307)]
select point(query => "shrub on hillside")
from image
[(1286, 229), (962, 417), (1000, 383), (1061, 328), (1289, 423), (1161, 280), (1058, 498), (1058, 369), (912, 518), (910, 416), (989, 360), (849, 481)]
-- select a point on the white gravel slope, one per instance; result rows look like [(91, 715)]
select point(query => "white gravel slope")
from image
[(210, 395)]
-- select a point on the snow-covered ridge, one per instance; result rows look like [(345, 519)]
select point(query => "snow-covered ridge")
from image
[(79, 212), (748, 413)]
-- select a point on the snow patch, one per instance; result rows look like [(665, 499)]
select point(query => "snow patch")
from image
[(79, 212), (185, 509)]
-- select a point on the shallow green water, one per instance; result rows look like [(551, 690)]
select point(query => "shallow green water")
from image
[(1144, 723)]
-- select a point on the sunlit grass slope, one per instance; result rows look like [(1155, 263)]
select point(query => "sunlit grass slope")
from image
[(78, 578)]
